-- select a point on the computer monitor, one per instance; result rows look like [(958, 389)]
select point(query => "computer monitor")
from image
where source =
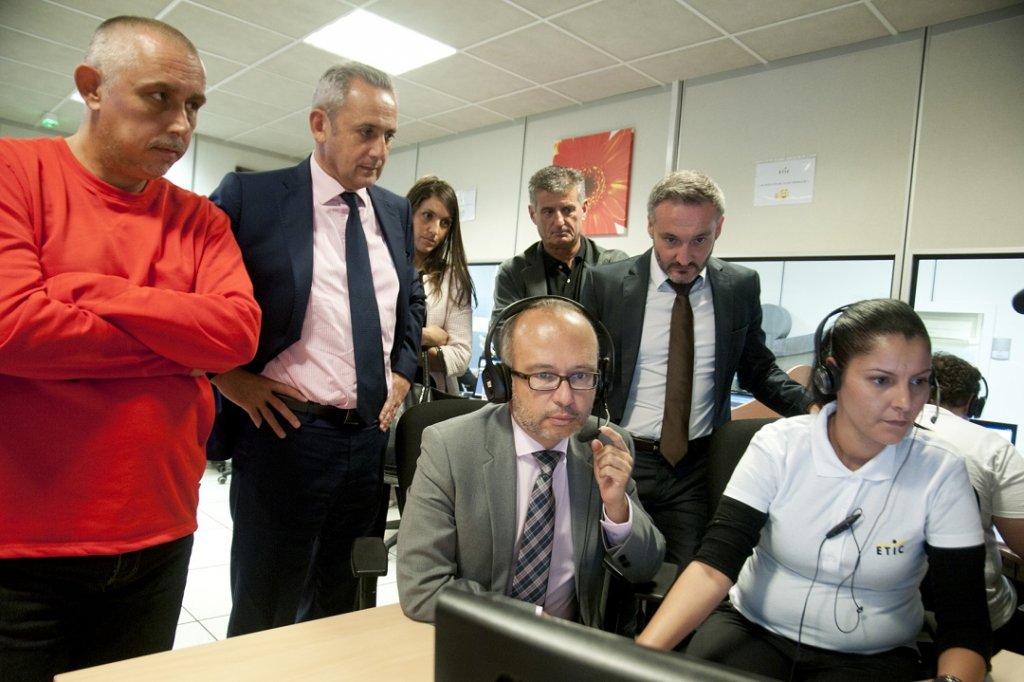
[(1007, 431), (490, 637)]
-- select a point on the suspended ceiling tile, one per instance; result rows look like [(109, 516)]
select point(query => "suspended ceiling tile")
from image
[(45, 20), (547, 8), (256, 112), (466, 118), (225, 36), (260, 85), (302, 63), (605, 83), (105, 9), (218, 68), (542, 54), (528, 102), (818, 32), (907, 15), (41, 53), (466, 77), (295, 18), (416, 101), (458, 24), (419, 131), (31, 78), (694, 62), (296, 125), (281, 143), (740, 15), (653, 26), (219, 126)]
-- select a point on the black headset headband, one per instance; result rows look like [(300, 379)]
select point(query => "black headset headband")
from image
[(497, 380)]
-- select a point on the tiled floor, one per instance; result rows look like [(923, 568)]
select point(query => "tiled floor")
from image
[(207, 602)]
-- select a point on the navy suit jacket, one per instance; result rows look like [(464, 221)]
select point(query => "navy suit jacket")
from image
[(272, 217), (617, 295)]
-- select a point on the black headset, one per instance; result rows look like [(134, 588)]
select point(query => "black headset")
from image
[(826, 377), (977, 402), (498, 377)]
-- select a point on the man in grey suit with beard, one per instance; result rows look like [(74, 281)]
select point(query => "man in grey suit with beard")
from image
[(469, 515), (635, 299)]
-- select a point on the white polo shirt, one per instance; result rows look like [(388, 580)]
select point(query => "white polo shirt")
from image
[(911, 493)]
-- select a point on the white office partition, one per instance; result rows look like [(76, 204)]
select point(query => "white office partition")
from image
[(488, 164), (854, 111), (970, 162)]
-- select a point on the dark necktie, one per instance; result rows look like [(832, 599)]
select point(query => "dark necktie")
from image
[(371, 387), (530, 581), (675, 427)]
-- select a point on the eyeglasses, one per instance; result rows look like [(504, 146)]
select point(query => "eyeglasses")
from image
[(549, 381)]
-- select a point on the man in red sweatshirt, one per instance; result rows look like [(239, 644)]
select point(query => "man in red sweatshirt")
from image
[(118, 293)]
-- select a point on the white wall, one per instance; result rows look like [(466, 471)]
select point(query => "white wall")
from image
[(214, 159), (969, 170), (854, 111)]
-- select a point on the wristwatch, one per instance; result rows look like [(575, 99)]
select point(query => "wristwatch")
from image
[(947, 678)]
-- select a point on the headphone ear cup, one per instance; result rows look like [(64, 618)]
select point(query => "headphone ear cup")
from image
[(826, 380), (497, 381), (975, 407)]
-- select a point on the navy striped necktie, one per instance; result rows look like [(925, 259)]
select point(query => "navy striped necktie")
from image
[(371, 387)]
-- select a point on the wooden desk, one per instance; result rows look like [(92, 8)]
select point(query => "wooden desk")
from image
[(376, 644)]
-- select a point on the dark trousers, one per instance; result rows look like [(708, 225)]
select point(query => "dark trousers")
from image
[(728, 638), (297, 504), (66, 613), (676, 498)]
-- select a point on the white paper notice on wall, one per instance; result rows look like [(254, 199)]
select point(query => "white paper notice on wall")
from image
[(790, 181), (467, 204)]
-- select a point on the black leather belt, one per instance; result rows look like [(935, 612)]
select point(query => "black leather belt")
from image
[(645, 445), (336, 415), (698, 446)]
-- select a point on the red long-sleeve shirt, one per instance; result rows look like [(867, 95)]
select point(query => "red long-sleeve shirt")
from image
[(108, 301)]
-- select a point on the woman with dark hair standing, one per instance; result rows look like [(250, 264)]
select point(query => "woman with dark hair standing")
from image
[(441, 259), (830, 522)]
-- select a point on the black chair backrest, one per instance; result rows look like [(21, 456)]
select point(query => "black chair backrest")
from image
[(728, 443), (409, 432)]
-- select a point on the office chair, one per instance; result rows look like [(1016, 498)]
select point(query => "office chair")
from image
[(370, 554), (728, 443), (628, 607)]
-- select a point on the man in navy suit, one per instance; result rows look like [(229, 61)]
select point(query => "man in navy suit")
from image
[(634, 299), (305, 429)]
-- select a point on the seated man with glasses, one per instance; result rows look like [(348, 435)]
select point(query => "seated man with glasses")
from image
[(527, 498)]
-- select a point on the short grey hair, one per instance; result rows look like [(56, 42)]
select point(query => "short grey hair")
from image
[(686, 187), (333, 86), (111, 48), (557, 180)]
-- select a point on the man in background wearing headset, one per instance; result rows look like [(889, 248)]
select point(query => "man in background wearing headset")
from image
[(996, 470), (635, 299), (470, 507)]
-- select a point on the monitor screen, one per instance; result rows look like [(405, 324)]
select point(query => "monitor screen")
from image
[(1007, 431), (490, 637)]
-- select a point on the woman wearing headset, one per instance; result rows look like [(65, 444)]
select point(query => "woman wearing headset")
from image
[(841, 513), (446, 280)]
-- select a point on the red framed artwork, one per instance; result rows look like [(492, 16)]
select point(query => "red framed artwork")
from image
[(605, 159)]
